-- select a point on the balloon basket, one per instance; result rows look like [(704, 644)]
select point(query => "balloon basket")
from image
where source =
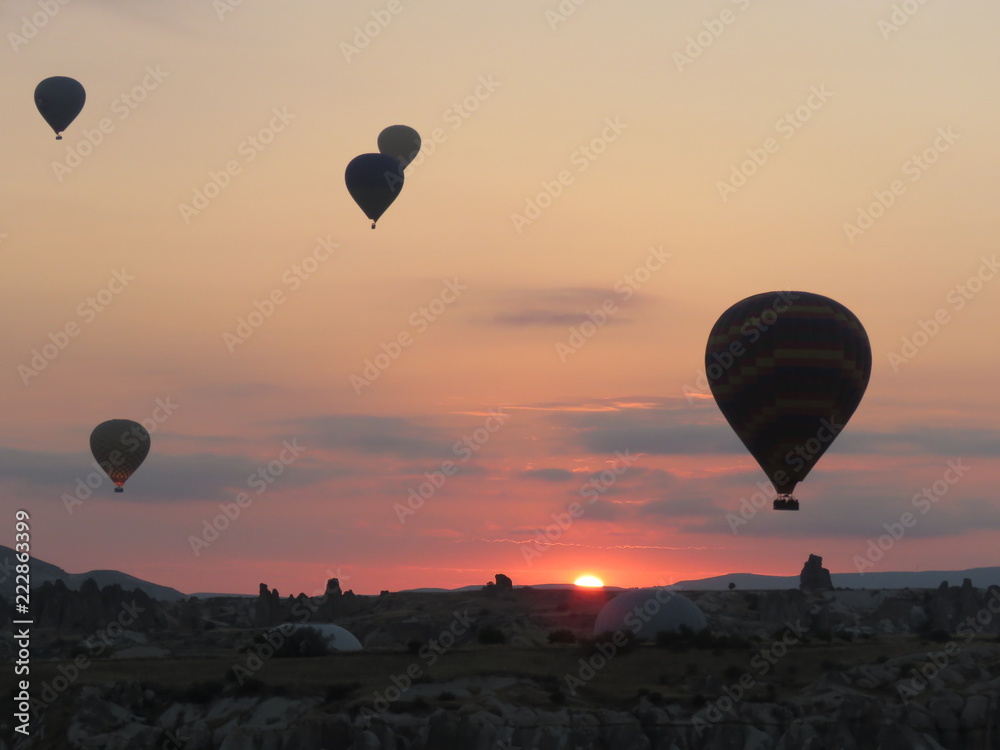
[(786, 502), (119, 489)]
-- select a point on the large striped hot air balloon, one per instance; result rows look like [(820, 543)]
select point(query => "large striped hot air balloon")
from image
[(119, 446), (788, 369)]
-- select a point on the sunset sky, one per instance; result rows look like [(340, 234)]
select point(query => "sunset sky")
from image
[(649, 162)]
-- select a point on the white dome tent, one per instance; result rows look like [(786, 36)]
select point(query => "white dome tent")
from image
[(646, 612), (336, 637)]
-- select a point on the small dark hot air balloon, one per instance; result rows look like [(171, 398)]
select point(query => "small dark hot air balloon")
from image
[(374, 181), (119, 446), (788, 369), (400, 142), (59, 100)]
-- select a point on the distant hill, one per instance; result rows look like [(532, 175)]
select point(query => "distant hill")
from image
[(42, 571), (209, 595), (922, 579), (547, 586)]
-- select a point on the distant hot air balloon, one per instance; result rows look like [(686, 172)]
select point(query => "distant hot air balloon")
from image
[(119, 446), (399, 141), (374, 181), (787, 370), (59, 100)]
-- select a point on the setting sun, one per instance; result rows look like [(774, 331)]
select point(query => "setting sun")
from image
[(589, 581)]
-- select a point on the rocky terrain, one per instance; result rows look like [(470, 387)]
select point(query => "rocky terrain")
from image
[(512, 668)]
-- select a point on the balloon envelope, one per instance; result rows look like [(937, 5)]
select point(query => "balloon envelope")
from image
[(119, 446), (59, 100), (374, 181), (400, 142), (787, 370)]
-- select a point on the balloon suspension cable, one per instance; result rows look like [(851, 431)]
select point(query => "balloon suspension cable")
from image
[(786, 502)]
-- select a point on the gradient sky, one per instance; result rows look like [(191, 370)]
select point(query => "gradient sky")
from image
[(635, 116)]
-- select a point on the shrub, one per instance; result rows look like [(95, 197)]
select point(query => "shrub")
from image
[(249, 687), (733, 672), (703, 639), (201, 692), (303, 642), (563, 635), (341, 690), (612, 638), (490, 635)]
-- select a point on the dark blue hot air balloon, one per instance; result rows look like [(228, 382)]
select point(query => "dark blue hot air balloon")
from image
[(788, 369), (59, 100), (374, 181)]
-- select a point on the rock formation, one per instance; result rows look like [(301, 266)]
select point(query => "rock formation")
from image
[(91, 608), (814, 577)]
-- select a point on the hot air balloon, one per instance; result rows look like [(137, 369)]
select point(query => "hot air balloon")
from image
[(374, 181), (401, 142), (119, 446), (59, 100), (788, 369)]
